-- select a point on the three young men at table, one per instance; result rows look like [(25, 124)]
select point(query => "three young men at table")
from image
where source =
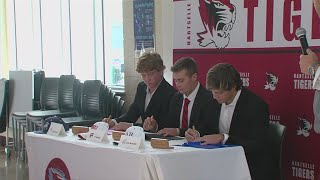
[(229, 114)]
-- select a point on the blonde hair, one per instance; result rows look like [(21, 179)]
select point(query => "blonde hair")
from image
[(150, 61)]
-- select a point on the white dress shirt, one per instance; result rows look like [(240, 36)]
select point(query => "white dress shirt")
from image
[(316, 80), (191, 98), (148, 97), (147, 100), (226, 114)]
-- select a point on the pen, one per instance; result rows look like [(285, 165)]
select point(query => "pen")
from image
[(194, 129), (150, 121)]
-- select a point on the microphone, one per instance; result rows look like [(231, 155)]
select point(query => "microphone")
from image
[(301, 34)]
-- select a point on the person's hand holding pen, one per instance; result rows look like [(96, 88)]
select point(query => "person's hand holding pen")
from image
[(192, 134), (121, 126), (210, 139), (109, 121), (150, 124)]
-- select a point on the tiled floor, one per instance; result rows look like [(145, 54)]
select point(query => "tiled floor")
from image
[(12, 168)]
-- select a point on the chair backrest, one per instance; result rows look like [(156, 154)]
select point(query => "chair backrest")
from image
[(38, 79), (114, 106), (93, 99), (79, 94), (108, 103), (68, 85), (3, 104), (120, 109), (49, 94), (276, 135)]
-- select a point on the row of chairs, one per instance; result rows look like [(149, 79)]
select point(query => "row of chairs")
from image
[(77, 103)]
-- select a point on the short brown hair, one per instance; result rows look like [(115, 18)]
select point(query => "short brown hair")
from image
[(186, 63), (150, 61), (223, 76)]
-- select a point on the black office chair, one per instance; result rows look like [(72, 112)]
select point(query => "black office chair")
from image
[(120, 109), (79, 94), (3, 104), (68, 85), (64, 98), (49, 94), (4, 112), (108, 103), (276, 135), (92, 107), (93, 99), (114, 106), (38, 79)]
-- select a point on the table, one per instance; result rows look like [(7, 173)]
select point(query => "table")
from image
[(94, 161)]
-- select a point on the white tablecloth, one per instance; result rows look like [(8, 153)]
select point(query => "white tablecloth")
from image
[(94, 161)]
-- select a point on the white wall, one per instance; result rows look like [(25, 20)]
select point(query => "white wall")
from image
[(164, 43)]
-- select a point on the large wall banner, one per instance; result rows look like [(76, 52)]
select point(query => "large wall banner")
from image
[(258, 38)]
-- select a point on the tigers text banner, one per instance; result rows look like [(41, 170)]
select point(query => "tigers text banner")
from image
[(258, 38)]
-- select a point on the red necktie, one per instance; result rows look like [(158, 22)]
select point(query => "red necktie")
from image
[(184, 122)]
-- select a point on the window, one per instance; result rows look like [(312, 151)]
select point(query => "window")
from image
[(3, 41), (113, 29), (79, 37)]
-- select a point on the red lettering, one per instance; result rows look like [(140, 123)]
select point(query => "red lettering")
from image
[(250, 5), (290, 20), (269, 23)]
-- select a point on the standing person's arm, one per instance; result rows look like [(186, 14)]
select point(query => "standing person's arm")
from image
[(316, 80), (316, 4), (309, 64)]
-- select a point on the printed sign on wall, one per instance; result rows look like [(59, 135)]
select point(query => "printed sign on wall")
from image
[(143, 24)]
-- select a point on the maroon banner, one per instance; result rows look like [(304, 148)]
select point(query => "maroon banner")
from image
[(258, 38)]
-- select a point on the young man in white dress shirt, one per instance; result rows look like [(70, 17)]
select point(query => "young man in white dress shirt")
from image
[(243, 119), (191, 107)]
